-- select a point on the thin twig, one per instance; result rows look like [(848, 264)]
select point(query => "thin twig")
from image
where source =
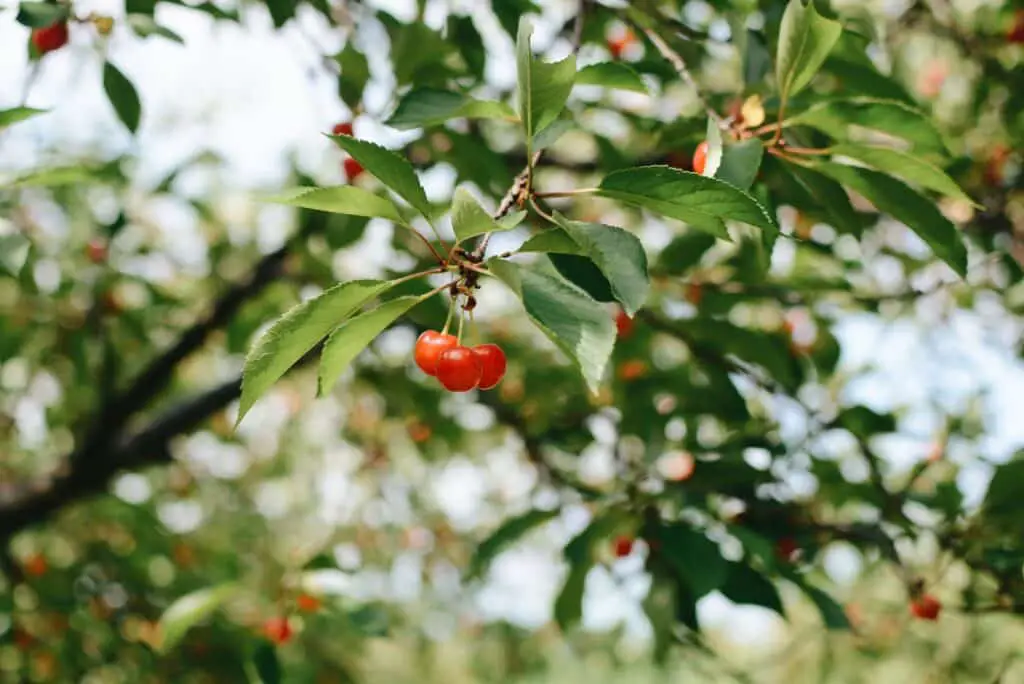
[(677, 62)]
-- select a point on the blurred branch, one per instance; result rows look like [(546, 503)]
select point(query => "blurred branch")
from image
[(107, 449)]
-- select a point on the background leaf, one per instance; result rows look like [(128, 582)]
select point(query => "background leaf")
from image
[(391, 169), (342, 199), (611, 75), (511, 531), (805, 39), (122, 96), (432, 106), (189, 610)]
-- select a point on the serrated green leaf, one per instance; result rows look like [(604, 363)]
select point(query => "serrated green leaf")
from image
[(740, 163), (122, 96), (824, 193), (805, 39), (342, 199), (611, 75), (512, 220), (543, 86), (423, 107), (578, 325), (391, 169), (469, 219), (345, 343), (584, 274), (353, 74), (842, 118), (704, 203), (511, 531), (908, 167), (552, 240), (190, 610), (299, 330), (41, 14), (744, 585), (12, 116), (907, 206), (694, 557), (618, 254)]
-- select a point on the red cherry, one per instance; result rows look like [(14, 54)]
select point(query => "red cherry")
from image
[(786, 548), (926, 607), (353, 169), (277, 630), (308, 603), (617, 46), (50, 38), (344, 128), (624, 324), (623, 546), (492, 364), (36, 565), (459, 369), (96, 250), (694, 293), (429, 347), (700, 157)]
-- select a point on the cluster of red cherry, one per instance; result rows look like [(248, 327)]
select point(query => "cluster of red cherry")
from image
[(459, 368), (352, 168)]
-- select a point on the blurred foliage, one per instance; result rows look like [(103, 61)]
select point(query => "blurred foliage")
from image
[(381, 532)]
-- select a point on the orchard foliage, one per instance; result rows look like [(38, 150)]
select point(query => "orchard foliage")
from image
[(682, 201)]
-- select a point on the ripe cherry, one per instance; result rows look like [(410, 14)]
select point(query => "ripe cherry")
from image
[(623, 546), (617, 46), (632, 369), (50, 38), (36, 565), (96, 250), (926, 607), (308, 603), (700, 157), (624, 324), (420, 432), (786, 548), (344, 128), (353, 169), (459, 369), (492, 364), (429, 347), (694, 293), (278, 630)]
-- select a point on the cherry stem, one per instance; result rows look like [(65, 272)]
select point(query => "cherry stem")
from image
[(544, 214), (462, 320), (807, 150), (437, 255), (451, 313)]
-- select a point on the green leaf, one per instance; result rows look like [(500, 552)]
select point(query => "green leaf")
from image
[(297, 332), (281, 11), (424, 107), (907, 206), (713, 138), (41, 14), (747, 586), (805, 39), (864, 423), (831, 612), (683, 253), (569, 602), (190, 610), (578, 325), (512, 220), (841, 118), (757, 61), (266, 664), (910, 168), (704, 203), (343, 199), (144, 26), (354, 72), (611, 75), (618, 254), (695, 558), (469, 219), (122, 96), (584, 274), (823, 192), (419, 54), (1003, 494), (740, 163), (392, 170), (511, 531), (345, 343), (543, 87), (12, 116), (660, 605)]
